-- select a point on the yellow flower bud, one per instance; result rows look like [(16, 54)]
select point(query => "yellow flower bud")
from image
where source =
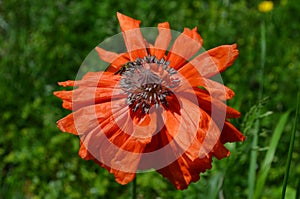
[(265, 6)]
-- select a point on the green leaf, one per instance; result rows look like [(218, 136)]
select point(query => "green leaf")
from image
[(265, 167), (291, 148)]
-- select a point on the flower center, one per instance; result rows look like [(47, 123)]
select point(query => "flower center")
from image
[(148, 82)]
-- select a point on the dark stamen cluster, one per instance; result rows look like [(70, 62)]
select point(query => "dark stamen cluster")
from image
[(149, 94), (148, 82)]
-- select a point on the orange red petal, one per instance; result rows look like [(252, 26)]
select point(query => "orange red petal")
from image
[(115, 60), (133, 38), (213, 61), (185, 46), (67, 124), (183, 171), (231, 134), (220, 151), (67, 83), (183, 128), (84, 153), (162, 40)]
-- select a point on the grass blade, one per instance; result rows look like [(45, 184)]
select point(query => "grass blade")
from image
[(291, 148), (266, 164), (253, 156), (253, 160)]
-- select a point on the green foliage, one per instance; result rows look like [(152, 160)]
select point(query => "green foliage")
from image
[(266, 164), (43, 42), (291, 149)]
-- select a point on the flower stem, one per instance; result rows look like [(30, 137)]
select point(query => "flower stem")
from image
[(253, 161), (133, 189), (253, 155), (291, 147)]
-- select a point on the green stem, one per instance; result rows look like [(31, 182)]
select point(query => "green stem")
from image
[(291, 148), (263, 47), (253, 161), (253, 156), (133, 189)]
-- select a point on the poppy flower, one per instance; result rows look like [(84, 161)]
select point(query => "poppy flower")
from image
[(154, 107)]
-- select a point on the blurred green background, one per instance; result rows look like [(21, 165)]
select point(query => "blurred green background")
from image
[(43, 42)]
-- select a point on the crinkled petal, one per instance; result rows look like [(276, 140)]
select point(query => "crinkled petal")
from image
[(185, 46), (67, 124), (212, 62), (99, 79), (183, 171), (117, 150), (94, 79), (115, 60), (218, 90), (231, 134), (133, 38), (214, 107), (162, 40), (183, 128), (84, 153), (120, 176), (85, 96), (67, 83), (95, 87), (208, 134), (220, 151), (123, 145), (194, 79), (85, 119), (111, 136)]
